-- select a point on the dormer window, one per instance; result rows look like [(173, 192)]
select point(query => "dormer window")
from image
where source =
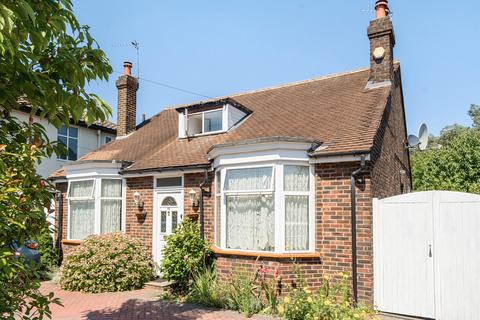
[(208, 120)]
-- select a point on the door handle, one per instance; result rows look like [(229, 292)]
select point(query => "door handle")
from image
[(430, 250)]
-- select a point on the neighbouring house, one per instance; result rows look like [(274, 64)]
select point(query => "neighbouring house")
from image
[(78, 138), (268, 173)]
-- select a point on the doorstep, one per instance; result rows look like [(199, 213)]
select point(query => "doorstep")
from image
[(158, 283)]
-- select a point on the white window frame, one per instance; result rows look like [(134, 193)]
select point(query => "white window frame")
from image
[(68, 140), (279, 205), (97, 197), (203, 133)]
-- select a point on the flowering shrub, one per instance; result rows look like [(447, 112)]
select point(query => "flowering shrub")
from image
[(185, 254), (330, 302), (106, 263)]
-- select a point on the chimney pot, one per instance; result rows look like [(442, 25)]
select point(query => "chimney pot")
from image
[(381, 9), (127, 68)]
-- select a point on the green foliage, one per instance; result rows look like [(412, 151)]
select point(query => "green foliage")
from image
[(48, 252), (185, 254), (106, 263), (452, 162), (205, 289), (241, 296), (46, 59), (330, 302)]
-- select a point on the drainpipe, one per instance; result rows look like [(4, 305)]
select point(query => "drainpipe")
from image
[(353, 222), (59, 227), (200, 206)]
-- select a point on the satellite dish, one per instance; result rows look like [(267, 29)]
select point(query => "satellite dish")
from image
[(413, 141), (421, 140), (423, 136)]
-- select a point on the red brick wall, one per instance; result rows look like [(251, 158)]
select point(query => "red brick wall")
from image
[(193, 181), (390, 155), (142, 228)]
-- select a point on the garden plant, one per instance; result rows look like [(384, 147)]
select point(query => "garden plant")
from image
[(107, 263)]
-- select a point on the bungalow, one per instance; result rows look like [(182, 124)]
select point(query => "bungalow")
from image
[(275, 174)]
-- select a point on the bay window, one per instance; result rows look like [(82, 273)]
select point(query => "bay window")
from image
[(95, 207), (264, 208)]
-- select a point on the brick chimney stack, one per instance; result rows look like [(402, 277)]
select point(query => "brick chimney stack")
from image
[(382, 41), (127, 86)]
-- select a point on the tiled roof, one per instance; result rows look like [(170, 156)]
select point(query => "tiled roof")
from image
[(336, 110)]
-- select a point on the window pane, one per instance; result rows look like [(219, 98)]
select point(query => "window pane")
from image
[(82, 218), (250, 222), (111, 188), (163, 221), (218, 220), (62, 130), (218, 182), (169, 182), (111, 215), (212, 121), (296, 178), (63, 141), (82, 188), (296, 223), (108, 139), (73, 132), (174, 220), (169, 201), (72, 149), (249, 179)]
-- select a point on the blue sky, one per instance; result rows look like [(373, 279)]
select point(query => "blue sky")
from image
[(218, 47)]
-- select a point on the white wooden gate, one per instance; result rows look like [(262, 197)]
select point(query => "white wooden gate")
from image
[(427, 255)]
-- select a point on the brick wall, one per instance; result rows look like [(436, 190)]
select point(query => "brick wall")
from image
[(391, 170), (127, 104), (142, 228), (380, 33), (193, 181)]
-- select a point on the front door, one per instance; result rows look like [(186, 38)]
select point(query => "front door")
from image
[(169, 215)]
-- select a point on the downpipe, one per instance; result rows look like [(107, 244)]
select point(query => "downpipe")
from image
[(201, 210), (353, 222)]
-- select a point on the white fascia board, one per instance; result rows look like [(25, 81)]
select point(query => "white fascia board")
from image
[(91, 169), (335, 159), (261, 152), (164, 174)]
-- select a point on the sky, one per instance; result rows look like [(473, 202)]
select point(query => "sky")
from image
[(220, 47)]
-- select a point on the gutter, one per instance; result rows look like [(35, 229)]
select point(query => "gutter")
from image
[(353, 224)]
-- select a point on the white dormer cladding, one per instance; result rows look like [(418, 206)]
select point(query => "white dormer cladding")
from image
[(211, 121)]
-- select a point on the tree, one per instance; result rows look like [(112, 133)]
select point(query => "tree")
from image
[(453, 163), (46, 59)]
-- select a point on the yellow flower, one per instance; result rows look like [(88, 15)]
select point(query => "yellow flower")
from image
[(281, 309), (286, 300), (309, 299), (327, 302), (326, 277), (306, 290)]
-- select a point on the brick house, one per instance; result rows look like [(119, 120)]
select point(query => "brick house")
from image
[(276, 174)]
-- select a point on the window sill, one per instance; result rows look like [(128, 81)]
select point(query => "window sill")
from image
[(287, 255), (72, 242)]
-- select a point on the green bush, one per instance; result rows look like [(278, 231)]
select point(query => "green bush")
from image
[(48, 252), (205, 290), (241, 296), (185, 254), (106, 263)]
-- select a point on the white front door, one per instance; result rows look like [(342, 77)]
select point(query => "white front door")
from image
[(169, 214)]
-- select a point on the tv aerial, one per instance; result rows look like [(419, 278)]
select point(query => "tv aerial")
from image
[(420, 141)]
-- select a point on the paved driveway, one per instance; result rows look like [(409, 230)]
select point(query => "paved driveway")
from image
[(138, 305)]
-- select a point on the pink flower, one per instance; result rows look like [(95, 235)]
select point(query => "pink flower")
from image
[(185, 257)]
